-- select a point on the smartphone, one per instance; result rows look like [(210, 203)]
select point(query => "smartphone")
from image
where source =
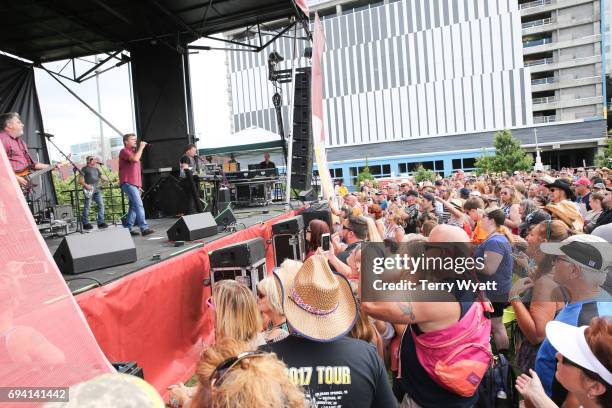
[(325, 242)]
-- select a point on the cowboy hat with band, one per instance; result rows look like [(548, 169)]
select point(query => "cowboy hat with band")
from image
[(562, 185), (319, 304)]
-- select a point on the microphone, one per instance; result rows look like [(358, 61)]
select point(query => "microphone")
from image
[(38, 132), (101, 164)]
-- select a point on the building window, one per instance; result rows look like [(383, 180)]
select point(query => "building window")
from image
[(336, 174), (409, 168), (377, 170), (468, 163)]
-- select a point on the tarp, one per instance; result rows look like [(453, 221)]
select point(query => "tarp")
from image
[(18, 94), (44, 338), (158, 316)]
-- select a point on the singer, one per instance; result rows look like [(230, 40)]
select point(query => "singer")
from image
[(90, 180), (131, 183), (11, 130)]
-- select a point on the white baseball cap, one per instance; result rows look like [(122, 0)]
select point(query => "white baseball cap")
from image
[(571, 343)]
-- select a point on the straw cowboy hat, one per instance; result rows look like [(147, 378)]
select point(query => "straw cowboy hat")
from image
[(567, 212), (318, 303)]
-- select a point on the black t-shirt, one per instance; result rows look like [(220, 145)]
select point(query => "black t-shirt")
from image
[(91, 175), (268, 165), (343, 256), (343, 373)]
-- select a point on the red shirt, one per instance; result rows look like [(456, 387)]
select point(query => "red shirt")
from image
[(17, 152), (129, 171)]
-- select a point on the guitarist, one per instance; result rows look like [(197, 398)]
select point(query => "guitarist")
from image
[(11, 130), (89, 179)]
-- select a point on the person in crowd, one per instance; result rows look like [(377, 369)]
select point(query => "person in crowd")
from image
[(497, 252), (456, 217), (236, 316), (560, 190), (353, 233), (352, 202), (269, 304), (536, 299), (428, 205), (11, 132), (320, 310), (474, 209), (380, 198), (526, 207), (130, 180), (592, 215), (428, 226), (89, 179), (266, 163), (541, 201), (584, 365), (411, 212), (606, 214), (582, 193), (414, 386), (340, 189), (531, 220), (580, 268), (394, 226), (376, 213), (111, 390), (373, 235), (533, 191), (510, 205), (314, 231), (230, 375), (567, 212)]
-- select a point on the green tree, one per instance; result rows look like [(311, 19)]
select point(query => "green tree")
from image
[(605, 159), (422, 174), (508, 157), (365, 174)]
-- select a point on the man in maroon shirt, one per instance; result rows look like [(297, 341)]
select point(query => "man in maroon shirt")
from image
[(11, 130), (131, 183)]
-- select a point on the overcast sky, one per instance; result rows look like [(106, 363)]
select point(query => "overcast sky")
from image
[(71, 122)]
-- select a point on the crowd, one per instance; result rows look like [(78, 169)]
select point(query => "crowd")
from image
[(309, 338)]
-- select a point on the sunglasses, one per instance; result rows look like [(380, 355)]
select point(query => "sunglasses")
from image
[(210, 303), (347, 228), (561, 259), (222, 369)]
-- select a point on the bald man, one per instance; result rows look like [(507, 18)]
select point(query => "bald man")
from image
[(415, 386)]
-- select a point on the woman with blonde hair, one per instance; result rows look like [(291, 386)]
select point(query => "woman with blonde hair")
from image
[(271, 308), (229, 376), (373, 232), (394, 227), (510, 203)]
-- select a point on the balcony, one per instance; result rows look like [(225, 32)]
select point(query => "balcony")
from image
[(546, 99), (542, 61), (544, 81), (545, 119), (535, 43), (537, 23), (533, 4)]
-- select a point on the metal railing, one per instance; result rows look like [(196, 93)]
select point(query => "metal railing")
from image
[(533, 4), (543, 81), (535, 43), (545, 119), (542, 61), (537, 23), (546, 99)]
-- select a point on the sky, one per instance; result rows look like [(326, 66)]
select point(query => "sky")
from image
[(71, 122)]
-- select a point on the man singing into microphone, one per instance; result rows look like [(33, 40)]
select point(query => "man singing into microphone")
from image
[(90, 178), (131, 183)]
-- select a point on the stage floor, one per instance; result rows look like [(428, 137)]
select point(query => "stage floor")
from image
[(157, 244)]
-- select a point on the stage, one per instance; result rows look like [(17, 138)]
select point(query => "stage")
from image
[(157, 244)]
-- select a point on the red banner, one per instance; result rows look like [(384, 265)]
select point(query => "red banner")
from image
[(303, 5)]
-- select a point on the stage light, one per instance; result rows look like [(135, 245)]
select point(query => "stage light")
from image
[(274, 58)]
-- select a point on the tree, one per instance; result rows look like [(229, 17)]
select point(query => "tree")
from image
[(365, 173), (605, 159), (421, 174), (508, 157)]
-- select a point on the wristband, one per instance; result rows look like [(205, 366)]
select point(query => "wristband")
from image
[(515, 297)]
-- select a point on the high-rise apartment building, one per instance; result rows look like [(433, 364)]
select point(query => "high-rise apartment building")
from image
[(429, 82)]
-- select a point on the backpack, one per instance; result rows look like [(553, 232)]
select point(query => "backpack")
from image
[(497, 387), (458, 357)]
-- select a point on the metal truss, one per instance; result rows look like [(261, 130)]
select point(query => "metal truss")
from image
[(90, 72)]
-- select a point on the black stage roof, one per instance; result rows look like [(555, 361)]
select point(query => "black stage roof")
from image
[(51, 30)]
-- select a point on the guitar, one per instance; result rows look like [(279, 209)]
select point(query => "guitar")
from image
[(29, 175)]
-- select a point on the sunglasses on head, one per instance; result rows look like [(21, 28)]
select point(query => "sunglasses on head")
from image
[(346, 228), (216, 378), (210, 303)]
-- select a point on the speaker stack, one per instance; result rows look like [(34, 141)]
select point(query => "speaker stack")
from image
[(318, 211), (192, 227), (103, 249), (288, 239), (244, 262), (301, 156)]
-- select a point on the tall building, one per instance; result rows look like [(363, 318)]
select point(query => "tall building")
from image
[(430, 81)]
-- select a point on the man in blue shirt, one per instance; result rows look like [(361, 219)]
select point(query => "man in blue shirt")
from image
[(581, 268)]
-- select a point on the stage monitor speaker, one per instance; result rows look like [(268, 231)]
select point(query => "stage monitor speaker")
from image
[(244, 253), (88, 252), (301, 156), (288, 225), (192, 227), (226, 217), (307, 195), (318, 211)]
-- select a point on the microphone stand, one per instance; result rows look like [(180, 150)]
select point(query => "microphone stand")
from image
[(76, 172), (110, 187)]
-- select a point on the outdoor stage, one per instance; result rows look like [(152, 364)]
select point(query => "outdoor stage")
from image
[(157, 244), (154, 312)]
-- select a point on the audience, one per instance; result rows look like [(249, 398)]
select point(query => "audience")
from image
[(314, 231), (271, 308)]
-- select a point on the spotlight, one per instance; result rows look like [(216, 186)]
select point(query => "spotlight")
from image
[(274, 58)]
